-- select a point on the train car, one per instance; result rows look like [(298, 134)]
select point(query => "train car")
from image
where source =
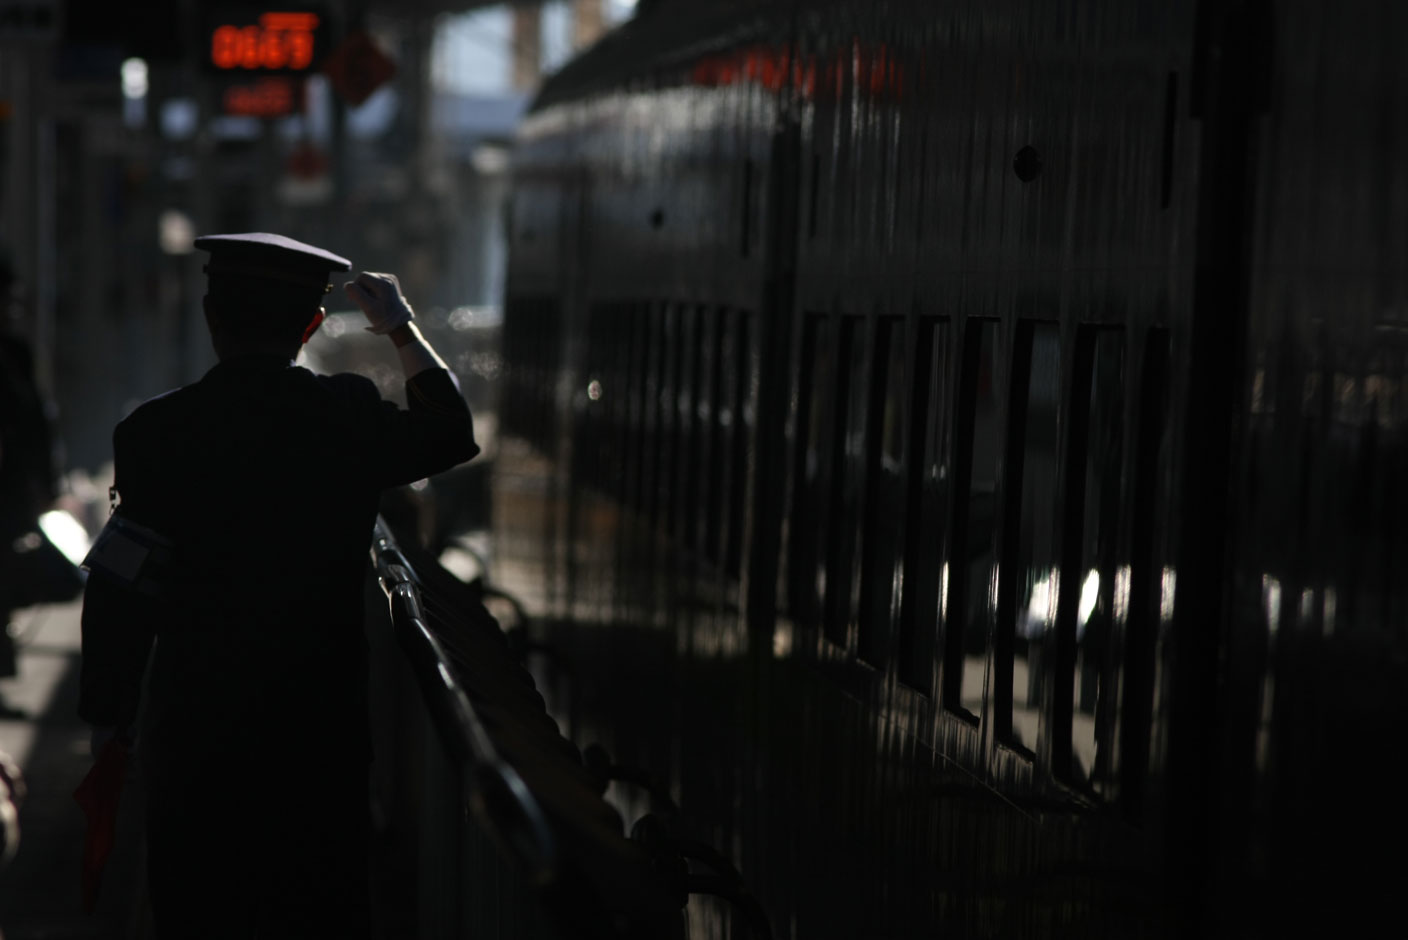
[(955, 448)]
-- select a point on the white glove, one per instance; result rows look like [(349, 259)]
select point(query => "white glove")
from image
[(380, 297)]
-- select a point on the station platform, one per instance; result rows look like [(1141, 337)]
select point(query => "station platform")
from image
[(40, 895), (487, 821), (40, 889)]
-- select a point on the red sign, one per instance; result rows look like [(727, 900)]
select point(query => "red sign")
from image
[(288, 41), (268, 97), (358, 67)]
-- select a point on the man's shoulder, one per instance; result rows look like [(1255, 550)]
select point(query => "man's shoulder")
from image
[(345, 381), (152, 414), (349, 387)]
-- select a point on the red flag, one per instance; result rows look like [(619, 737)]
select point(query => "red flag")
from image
[(98, 796)]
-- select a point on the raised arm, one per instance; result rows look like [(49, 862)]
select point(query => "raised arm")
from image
[(437, 431)]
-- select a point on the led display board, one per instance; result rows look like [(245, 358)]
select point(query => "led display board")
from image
[(267, 39)]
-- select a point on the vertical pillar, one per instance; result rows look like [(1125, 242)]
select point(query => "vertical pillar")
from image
[(27, 191), (527, 45), (588, 22)]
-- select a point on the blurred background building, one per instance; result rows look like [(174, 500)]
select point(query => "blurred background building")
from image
[(377, 129)]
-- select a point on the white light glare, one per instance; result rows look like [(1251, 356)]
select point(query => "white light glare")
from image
[(1089, 595), (176, 232), (134, 78), (67, 534)]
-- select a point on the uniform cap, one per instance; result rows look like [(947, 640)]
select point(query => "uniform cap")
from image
[(271, 257)]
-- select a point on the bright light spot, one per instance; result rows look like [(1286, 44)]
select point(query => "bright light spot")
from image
[(176, 232), (1121, 592), (1330, 601), (489, 159), (1307, 605), (461, 318), (1041, 606), (179, 117), (782, 639), (1271, 600), (1089, 594), (1166, 592), (67, 534), (618, 10), (594, 390), (134, 78)]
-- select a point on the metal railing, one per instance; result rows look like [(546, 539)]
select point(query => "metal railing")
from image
[(493, 790), (493, 854), (469, 838)]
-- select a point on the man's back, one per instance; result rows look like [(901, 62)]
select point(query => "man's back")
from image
[(265, 478)]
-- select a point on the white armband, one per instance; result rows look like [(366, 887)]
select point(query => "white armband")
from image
[(132, 554)]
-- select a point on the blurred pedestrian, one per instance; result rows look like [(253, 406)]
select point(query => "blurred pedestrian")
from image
[(239, 544), (27, 480)]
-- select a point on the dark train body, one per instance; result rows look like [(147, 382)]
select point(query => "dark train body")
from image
[(957, 448)]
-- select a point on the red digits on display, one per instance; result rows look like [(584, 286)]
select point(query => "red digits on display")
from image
[(279, 41)]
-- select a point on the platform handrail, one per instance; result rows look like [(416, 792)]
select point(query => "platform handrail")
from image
[(492, 790)]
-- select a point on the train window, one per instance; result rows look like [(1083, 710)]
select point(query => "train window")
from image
[(746, 212), (1081, 739), (725, 367), (741, 430), (806, 578), (882, 545), (665, 415), (814, 183), (691, 444), (652, 342), (704, 409), (532, 346), (1024, 644), (976, 444), (588, 426), (617, 393), (547, 358), (847, 470), (1145, 581), (636, 337), (927, 485), (604, 392), (728, 448)]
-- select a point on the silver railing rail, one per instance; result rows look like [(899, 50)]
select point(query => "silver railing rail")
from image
[(491, 790)]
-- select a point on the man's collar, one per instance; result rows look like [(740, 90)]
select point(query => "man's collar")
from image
[(253, 362)]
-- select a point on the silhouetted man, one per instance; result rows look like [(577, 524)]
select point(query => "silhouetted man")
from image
[(240, 545), (27, 478)]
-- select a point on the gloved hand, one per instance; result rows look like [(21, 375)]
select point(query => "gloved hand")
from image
[(380, 297)]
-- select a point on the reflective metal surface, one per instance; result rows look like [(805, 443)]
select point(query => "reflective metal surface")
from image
[(960, 449)]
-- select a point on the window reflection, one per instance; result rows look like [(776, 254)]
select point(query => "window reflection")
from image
[(976, 446), (848, 449), (806, 578), (1026, 640), (884, 509), (741, 430), (706, 447), (927, 501), (1097, 452)]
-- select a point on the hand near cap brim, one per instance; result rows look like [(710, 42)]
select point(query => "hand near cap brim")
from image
[(379, 296)]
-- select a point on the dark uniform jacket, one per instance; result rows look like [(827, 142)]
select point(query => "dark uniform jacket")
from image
[(264, 479)]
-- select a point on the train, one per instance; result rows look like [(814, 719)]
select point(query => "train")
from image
[(956, 450)]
